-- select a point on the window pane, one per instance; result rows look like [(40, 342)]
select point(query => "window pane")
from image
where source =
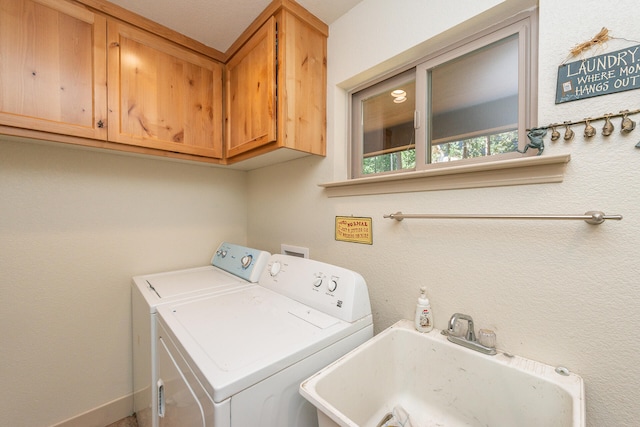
[(388, 134), (480, 146), (405, 159), (474, 103)]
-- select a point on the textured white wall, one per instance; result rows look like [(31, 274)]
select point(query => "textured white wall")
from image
[(564, 293), (75, 226)]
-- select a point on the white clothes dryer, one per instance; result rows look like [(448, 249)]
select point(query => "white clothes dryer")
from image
[(232, 267), (237, 359)]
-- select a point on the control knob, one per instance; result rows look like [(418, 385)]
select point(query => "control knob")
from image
[(317, 281), (246, 261), (275, 268), (333, 284)]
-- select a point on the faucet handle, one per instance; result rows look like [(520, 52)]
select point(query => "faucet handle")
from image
[(487, 338), (459, 329)]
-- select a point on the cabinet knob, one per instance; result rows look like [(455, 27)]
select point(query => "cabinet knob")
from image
[(100, 124)]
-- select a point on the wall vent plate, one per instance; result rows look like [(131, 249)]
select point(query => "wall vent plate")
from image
[(292, 250)]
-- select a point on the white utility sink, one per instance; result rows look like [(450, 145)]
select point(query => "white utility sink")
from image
[(439, 383)]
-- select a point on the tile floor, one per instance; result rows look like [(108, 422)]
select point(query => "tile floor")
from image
[(125, 422)]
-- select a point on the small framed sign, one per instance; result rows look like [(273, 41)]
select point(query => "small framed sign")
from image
[(354, 229), (612, 72)]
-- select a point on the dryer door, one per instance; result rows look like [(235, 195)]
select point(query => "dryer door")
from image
[(178, 405), (182, 401)]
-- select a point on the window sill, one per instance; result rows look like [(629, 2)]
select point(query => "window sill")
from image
[(521, 171)]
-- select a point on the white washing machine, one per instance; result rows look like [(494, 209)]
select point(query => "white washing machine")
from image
[(232, 267), (237, 359)]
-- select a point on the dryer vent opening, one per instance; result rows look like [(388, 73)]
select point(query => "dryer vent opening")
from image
[(291, 250)]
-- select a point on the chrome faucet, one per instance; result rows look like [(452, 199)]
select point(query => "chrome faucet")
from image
[(469, 340)]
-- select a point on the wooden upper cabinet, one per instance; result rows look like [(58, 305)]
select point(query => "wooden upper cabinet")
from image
[(302, 77), (91, 73), (52, 68), (162, 96), (251, 92), (276, 87)]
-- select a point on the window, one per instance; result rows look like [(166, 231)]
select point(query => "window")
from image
[(387, 125), (466, 104)]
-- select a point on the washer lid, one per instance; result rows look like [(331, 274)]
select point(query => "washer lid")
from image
[(237, 339), (185, 283)]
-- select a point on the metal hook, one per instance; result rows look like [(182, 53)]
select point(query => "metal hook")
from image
[(589, 130), (607, 129), (568, 132), (627, 124)]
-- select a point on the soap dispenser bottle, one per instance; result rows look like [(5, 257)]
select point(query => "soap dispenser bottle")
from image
[(424, 317)]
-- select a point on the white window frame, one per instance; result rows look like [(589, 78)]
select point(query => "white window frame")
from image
[(527, 104), (506, 169), (357, 143)]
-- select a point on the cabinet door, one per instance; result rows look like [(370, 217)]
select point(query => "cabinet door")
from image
[(251, 93), (302, 83), (161, 95), (52, 68)]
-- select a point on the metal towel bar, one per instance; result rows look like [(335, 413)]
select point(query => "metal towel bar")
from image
[(590, 217)]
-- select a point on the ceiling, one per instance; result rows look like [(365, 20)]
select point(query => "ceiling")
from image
[(218, 23)]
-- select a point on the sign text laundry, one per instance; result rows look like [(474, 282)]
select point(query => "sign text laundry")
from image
[(599, 75)]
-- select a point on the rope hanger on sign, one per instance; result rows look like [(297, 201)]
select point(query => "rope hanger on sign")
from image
[(599, 39)]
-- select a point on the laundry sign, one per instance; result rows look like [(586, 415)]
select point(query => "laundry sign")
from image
[(354, 229), (599, 75)]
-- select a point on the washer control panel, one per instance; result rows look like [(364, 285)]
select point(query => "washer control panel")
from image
[(331, 289), (246, 263), (322, 282)]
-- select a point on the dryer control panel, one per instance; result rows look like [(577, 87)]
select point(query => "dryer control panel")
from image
[(246, 263), (334, 290)]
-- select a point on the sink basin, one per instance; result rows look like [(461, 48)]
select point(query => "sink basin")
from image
[(438, 383)]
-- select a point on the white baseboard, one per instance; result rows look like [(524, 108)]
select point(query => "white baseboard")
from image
[(103, 415)]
